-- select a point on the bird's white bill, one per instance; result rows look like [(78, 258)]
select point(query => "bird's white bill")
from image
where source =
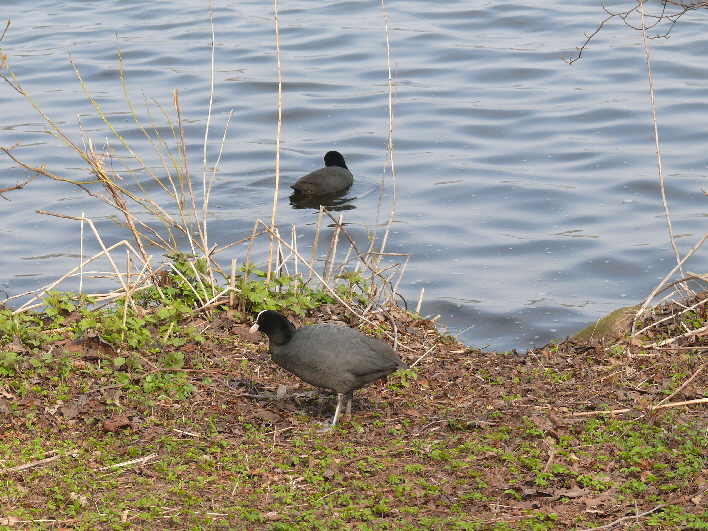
[(254, 328)]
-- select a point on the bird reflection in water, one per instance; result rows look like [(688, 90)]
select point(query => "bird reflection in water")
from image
[(331, 202)]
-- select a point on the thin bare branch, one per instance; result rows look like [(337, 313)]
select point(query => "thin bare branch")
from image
[(16, 187), (625, 16)]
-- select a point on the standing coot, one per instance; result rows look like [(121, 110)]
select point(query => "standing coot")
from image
[(329, 356), (335, 176)]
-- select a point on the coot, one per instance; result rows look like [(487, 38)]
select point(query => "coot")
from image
[(329, 356), (335, 176)]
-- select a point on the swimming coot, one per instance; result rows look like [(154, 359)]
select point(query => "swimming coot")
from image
[(335, 176), (329, 356)]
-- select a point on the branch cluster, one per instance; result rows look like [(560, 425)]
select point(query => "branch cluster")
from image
[(671, 11)]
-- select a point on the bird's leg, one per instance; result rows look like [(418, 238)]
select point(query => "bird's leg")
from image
[(335, 418), (350, 398)]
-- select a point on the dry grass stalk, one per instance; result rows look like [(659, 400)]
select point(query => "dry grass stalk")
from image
[(277, 139), (664, 284), (133, 201), (139, 461), (619, 522), (683, 385), (698, 332), (656, 138), (323, 283), (332, 251), (232, 283), (670, 317), (650, 408), (105, 252), (314, 245), (389, 149)]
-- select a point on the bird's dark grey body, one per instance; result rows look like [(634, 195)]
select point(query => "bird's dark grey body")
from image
[(334, 177), (351, 361), (329, 356)]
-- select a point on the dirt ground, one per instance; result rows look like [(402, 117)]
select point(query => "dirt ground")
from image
[(467, 439)]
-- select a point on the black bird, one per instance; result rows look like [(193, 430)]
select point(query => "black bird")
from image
[(329, 356), (335, 176)]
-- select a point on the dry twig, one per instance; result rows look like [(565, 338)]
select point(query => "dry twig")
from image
[(38, 463), (614, 525)]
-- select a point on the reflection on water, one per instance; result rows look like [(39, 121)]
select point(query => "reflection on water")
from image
[(332, 202)]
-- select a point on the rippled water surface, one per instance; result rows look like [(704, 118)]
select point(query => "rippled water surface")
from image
[(527, 188)]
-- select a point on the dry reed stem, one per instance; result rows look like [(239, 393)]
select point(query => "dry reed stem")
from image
[(698, 332), (332, 252), (683, 385), (205, 191), (367, 259), (661, 285), (277, 139), (416, 362), (389, 143), (650, 408), (247, 265), (293, 240), (279, 265), (100, 242), (362, 256), (191, 287), (125, 310), (198, 276), (401, 273), (696, 276), (215, 301), (81, 254), (314, 244), (232, 283), (420, 301), (244, 240), (670, 317), (44, 290), (325, 286), (346, 260), (656, 137)]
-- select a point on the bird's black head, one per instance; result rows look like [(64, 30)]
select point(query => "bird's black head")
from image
[(334, 158), (275, 325)]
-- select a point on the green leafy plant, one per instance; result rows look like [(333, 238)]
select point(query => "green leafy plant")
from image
[(58, 303), (8, 362), (279, 293), (21, 327)]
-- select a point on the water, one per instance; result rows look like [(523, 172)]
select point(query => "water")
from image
[(527, 188)]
